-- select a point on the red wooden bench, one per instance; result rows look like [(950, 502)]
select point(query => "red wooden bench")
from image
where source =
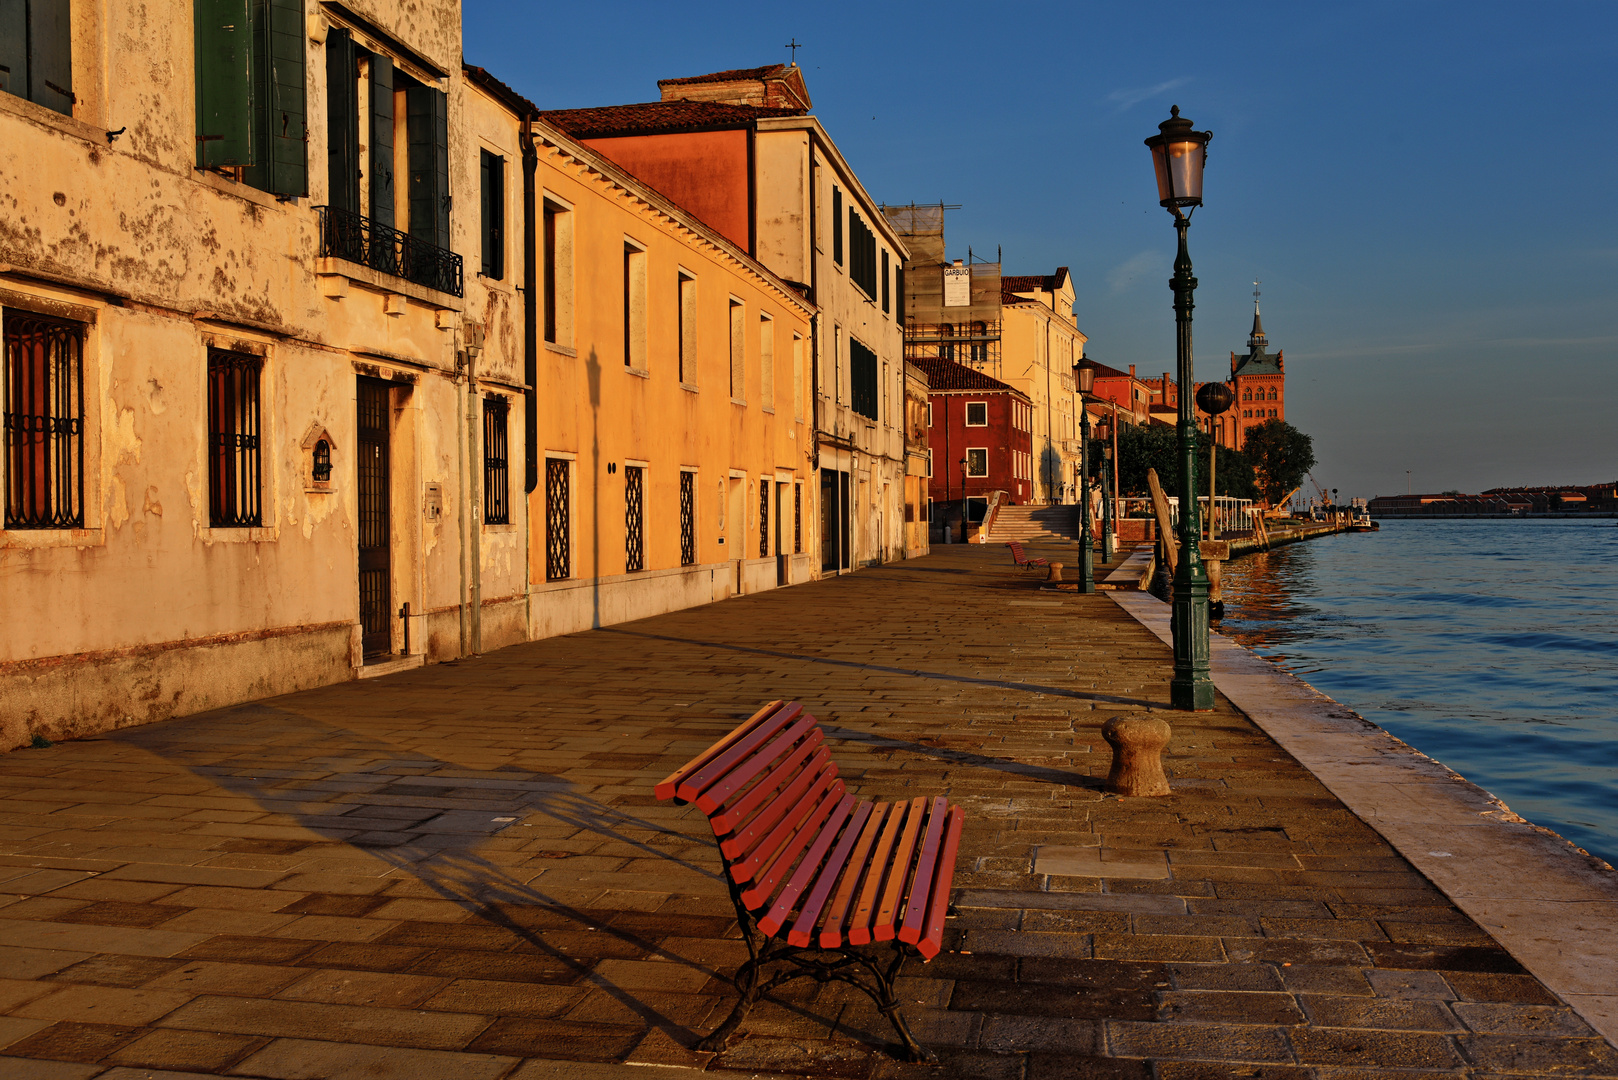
[(819, 879), (1020, 557)]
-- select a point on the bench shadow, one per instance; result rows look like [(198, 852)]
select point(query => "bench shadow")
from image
[(1043, 773), (341, 786)]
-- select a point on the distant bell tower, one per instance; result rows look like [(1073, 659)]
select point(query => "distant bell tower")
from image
[(1259, 380)]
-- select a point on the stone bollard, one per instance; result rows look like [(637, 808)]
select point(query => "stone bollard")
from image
[(1056, 572), (1137, 746)]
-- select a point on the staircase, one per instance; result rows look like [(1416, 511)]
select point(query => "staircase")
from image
[(1036, 523)]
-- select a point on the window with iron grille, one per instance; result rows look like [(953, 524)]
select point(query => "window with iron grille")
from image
[(634, 517), (235, 458), (763, 517), (862, 378), (44, 422), (797, 519), (558, 564), (496, 475), (688, 518)]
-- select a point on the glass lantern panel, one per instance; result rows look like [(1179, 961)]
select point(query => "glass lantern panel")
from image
[(1185, 170)]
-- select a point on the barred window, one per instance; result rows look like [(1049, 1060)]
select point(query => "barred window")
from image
[(44, 422), (558, 526), (688, 518), (763, 517), (634, 517), (797, 518), (496, 475), (235, 473)]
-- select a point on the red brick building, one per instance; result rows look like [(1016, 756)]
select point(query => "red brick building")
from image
[(985, 423)]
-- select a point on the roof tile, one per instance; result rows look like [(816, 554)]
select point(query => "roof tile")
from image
[(659, 117)]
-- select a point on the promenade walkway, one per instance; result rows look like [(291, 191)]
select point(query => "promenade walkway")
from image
[(461, 872)]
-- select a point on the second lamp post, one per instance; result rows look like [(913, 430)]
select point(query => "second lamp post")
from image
[(1084, 378), (1178, 155)]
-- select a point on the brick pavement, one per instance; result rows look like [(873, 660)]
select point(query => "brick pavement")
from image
[(461, 871)]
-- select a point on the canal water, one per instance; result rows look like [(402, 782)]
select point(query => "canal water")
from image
[(1489, 645)]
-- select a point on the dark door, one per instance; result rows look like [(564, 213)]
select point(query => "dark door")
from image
[(844, 510), (376, 599), (828, 520)]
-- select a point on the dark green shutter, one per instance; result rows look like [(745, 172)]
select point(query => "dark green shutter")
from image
[(288, 113), (492, 189), (427, 127), (224, 63), (50, 68), (382, 140), (342, 121), (14, 47), (887, 284), (837, 226)]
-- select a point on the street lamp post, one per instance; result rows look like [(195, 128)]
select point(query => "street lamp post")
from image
[(1084, 377), (963, 500), (1178, 156), (1106, 502)]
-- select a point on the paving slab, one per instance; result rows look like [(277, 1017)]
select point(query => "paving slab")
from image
[(461, 870)]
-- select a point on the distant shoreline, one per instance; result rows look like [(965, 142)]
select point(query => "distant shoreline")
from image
[(1560, 515)]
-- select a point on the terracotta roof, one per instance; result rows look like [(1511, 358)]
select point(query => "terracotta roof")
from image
[(1012, 284), (733, 75), (507, 96), (659, 117), (948, 375), (1105, 372)]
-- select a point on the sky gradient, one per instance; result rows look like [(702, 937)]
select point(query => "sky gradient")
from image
[(1424, 188)]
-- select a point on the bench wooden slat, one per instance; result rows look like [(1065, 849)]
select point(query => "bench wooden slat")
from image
[(780, 864), (743, 840), (802, 931), (899, 876), (932, 934), (738, 812), (666, 789), (859, 927), (693, 785), (915, 908), (799, 799), (807, 867), (714, 795), (831, 932)]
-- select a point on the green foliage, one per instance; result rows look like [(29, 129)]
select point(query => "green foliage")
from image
[(1157, 447), (1281, 456)]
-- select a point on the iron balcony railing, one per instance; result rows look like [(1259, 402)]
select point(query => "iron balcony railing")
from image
[(355, 237)]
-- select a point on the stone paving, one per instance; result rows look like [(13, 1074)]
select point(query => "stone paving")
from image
[(462, 872)]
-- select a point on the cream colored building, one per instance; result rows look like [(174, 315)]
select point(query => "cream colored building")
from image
[(245, 422), (1041, 341)]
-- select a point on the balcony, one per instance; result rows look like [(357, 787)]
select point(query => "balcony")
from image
[(357, 239)]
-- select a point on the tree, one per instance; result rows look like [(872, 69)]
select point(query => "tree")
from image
[(1157, 447), (1281, 455)]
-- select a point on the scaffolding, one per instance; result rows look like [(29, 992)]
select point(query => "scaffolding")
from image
[(967, 333)]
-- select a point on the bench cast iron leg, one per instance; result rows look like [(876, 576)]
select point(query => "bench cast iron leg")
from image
[(715, 1040)]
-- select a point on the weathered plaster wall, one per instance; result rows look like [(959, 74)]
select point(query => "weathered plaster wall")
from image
[(704, 172)]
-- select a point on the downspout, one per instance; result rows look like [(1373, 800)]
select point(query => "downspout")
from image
[(1050, 434), (530, 358), (474, 502)]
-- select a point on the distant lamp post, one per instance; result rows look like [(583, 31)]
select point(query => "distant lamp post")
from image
[(1106, 502), (1214, 398), (964, 467), (1084, 377), (1178, 156)]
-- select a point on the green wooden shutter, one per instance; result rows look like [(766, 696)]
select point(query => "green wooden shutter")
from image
[(288, 112), (14, 47), (493, 193), (50, 68), (837, 226), (342, 121), (427, 127), (224, 78), (382, 140)]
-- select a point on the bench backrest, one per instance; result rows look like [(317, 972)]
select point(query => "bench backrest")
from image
[(791, 835)]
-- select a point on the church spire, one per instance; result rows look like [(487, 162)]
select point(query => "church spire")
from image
[(1256, 341)]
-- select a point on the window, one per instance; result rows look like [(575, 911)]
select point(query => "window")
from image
[(1273, 412), (36, 52), (979, 347), (634, 306), (766, 362), (688, 329), (862, 379), (738, 352), (492, 190), (797, 376), (558, 270), (1247, 393), (899, 287), (977, 414), (977, 461), (688, 518), (634, 518), (837, 364), (929, 414), (929, 463), (1273, 394), (558, 548), (946, 347), (797, 519), (496, 478), (887, 285), (862, 254), (44, 422), (763, 517), (250, 93), (837, 225), (234, 459)]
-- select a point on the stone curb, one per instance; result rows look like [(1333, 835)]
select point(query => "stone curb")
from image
[(1550, 904)]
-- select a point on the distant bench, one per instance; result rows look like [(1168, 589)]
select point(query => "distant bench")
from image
[(1020, 557), (803, 856)]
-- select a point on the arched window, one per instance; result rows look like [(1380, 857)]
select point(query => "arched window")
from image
[(1247, 393), (979, 347)]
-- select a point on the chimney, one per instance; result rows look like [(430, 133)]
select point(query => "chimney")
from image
[(1131, 371)]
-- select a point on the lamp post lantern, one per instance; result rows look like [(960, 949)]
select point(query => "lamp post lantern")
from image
[(1084, 377), (1178, 157)]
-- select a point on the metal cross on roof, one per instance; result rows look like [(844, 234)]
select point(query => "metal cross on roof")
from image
[(794, 46)]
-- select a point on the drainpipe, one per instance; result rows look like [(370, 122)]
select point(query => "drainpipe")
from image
[(474, 506), (530, 315)]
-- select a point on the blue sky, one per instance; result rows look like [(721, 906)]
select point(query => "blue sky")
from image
[(1424, 188)]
